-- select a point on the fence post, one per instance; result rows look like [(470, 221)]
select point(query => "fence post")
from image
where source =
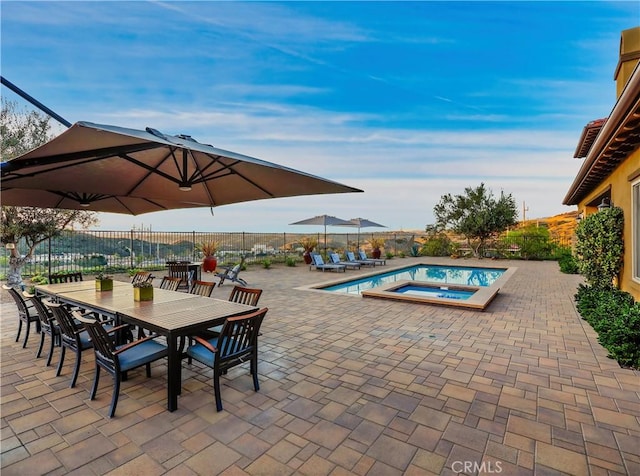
[(49, 267), (131, 249)]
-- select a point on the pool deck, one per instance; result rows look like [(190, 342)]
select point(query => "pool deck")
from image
[(349, 386)]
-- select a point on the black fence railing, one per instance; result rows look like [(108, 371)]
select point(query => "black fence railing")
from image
[(91, 251)]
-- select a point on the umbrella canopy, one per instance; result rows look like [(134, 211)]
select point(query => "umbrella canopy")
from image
[(115, 169), (362, 223), (325, 220)]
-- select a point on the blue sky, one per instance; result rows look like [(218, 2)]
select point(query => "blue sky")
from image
[(405, 100)]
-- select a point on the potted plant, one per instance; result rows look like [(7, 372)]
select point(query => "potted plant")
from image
[(208, 249), (376, 244), (104, 282), (143, 291), (308, 243)]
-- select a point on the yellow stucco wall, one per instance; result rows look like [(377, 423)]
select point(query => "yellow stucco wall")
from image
[(619, 182), (629, 43)]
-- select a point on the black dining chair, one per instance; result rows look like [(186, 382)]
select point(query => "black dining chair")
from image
[(239, 294), (26, 313), (202, 288), (118, 359), (142, 277), (236, 344), (48, 325), (181, 270), (170, 283), (72, 336)]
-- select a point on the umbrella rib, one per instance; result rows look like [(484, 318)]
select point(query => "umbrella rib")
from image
[(10, 167), (229, 171), (151, 169)]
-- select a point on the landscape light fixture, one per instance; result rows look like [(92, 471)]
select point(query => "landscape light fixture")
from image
[(605, 203)]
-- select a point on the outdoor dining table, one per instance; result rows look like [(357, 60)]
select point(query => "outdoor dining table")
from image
[(171, 314)]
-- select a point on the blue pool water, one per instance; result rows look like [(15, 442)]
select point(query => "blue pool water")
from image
[(468, 276), (441, 293)]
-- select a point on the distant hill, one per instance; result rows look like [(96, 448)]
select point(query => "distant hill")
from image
[(561, 226)]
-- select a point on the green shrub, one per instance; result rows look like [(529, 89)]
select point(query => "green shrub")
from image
[(568, 264), (615, 316), (437, 244), (291, 261), (39, 279), (389, 255), (266, 263), (623, 337)]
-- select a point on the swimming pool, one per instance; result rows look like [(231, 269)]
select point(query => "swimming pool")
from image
[(469, 287), (464, 275)]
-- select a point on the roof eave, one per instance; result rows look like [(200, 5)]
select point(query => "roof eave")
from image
[(626, 109)]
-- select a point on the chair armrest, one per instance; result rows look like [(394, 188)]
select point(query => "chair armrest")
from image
[(205, 343), (133, 344), (118, 328)]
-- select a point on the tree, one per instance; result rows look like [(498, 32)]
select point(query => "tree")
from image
[(476, 215), (22, 131)]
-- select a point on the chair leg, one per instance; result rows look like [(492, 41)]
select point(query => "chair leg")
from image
[(96, 379), (26, 334), (254, 372), (62, 354), (148, 367), (76, 369), (42, 334), (19, 329), (216, 390), (53, 342), (116, 393)]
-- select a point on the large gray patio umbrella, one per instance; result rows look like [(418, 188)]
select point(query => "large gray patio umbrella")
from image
[(325, 220), (116, 169), (362, 223)]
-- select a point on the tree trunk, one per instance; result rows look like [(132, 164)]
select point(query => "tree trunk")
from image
[(14, 275)]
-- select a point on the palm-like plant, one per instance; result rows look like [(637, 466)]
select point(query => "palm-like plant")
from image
[(308, 243), (208, 248), (376, 243)]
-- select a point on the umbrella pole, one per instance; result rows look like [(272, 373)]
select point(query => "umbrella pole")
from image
[(325, 241)]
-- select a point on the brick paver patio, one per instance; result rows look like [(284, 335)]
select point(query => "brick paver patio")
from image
[(349, 386)]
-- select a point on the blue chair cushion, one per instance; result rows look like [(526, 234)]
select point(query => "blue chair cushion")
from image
[(85, 340), (141, 354), (216, 329), (200, 353)]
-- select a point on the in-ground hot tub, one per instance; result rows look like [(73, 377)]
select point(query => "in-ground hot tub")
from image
[(472, 297)]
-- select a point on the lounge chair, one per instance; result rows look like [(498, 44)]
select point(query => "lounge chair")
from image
[(363, 257), (335, 259), (319, 264), (231, 273), (351, 258)]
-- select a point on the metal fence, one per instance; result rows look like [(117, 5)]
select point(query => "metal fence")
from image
[(91, 251)]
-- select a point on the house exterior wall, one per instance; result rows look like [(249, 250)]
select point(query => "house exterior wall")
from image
[(629, 56), (619, 187)]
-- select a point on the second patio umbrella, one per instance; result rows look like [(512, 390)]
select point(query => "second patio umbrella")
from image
[(325, 220), (362, 223)]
